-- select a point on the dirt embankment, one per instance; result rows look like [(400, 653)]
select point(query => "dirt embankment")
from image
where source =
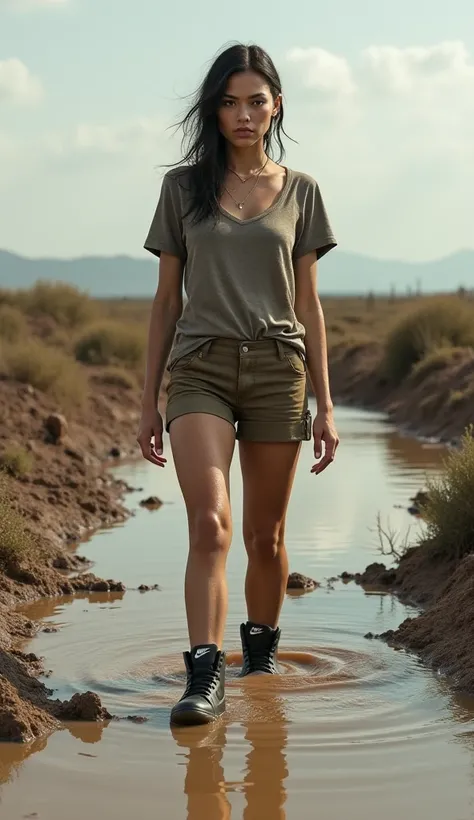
[(65, 494), (435, 401)]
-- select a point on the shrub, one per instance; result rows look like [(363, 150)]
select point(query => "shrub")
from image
[(15, 541), (67, 305), (111, 343), (440, 323), (13, 324), (16, 460), (435, 361), (449, 509), (47, 369)]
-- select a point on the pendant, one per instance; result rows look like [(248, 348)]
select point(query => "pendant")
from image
[(240, 206)]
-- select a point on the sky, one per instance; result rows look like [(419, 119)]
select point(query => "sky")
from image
[(379, 97)]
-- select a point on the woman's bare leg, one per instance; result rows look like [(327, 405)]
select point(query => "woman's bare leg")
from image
[(268, 471), (202, 447)]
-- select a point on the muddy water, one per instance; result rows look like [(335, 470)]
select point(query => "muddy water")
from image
[(351, 727)]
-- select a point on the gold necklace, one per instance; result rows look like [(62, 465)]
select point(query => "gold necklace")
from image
[(246, 179), (241, 204)]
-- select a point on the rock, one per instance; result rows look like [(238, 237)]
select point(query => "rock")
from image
[(67, 589), (347, 576), (89, 506), (151, 503), (116, 586), (298, 581), (144, 588), (370, 636), (137, 718), (61, 562), (100, 586), (56, 426), (377, 575), (86, 706), (115, 452), (76, 455), (50, 629)]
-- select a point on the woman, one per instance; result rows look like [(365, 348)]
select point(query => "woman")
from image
[(246, 232)]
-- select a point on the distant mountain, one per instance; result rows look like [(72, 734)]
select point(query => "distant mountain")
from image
[(340, 273)]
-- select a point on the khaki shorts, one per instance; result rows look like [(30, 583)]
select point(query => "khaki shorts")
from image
[(259, 386)]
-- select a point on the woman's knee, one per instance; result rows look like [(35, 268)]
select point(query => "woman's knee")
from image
[(210, 533), (264, 543)]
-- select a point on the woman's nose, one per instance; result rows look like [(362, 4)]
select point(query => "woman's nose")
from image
[(243, 115)]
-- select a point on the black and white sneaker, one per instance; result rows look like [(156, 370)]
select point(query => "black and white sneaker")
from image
[(259, 647), (204, 697)]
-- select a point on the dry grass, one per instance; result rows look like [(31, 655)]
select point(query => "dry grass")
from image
[(449, 510), (112, 343), (65, 304), (439, 322), (115, 377), (16, 543), (48, 370), (16, 461), (13, 324)]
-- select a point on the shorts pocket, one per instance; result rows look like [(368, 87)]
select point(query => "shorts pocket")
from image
[(184, 361), (295, 361)]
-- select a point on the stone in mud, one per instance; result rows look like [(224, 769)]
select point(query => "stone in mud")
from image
[(376, 574), (89, 506), (116, 586), (347, 576), (151, 503), (298, 581), (115, 452), (144, 588), (100, 586), (56, 427), (137, 718), (86, 706), (418, 502), (50, 629), (61, 562)]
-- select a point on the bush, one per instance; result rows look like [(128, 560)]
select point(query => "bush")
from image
[(47, 369), (438, 360), (449, 509), (111, 343), (440, 323), (16, 460), (67, 305), (13, 324), (15, 542)]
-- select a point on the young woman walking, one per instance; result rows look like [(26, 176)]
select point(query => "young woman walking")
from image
[(246, 233)]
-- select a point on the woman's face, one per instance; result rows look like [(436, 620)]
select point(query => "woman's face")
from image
[(246, 110)]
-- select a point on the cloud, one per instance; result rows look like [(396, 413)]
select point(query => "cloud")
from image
[(87, 142), (326, 73), (17, 84), (391, 133)]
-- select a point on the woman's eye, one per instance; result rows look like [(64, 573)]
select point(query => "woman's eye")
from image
[(258, 102)]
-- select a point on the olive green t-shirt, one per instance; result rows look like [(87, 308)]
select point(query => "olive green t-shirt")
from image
[(238, 274)]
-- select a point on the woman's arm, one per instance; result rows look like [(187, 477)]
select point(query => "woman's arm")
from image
[(165, 312), (310, 313)]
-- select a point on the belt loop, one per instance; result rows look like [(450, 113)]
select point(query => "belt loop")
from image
[(281, 352)]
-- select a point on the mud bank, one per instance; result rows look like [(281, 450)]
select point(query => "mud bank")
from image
[(442, 635), (65, 495), (434, 402)]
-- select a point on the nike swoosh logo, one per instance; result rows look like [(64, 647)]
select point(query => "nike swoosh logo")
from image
[(200, 652), (256, 631)]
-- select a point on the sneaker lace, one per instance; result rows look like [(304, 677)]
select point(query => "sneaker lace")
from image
[(202, 682), (262, 660)]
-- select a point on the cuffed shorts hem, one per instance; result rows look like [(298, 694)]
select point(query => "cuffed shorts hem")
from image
[(197, 403), (271, 431)]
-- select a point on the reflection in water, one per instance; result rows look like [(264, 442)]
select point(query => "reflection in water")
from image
[(266, 769), (13, 755)]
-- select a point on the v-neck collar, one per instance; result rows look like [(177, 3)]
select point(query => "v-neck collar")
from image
[(268, 210)]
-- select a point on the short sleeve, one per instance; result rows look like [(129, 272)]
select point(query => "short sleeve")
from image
[(313, 230), (166, 231)]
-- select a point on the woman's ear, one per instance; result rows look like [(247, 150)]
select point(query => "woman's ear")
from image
[(276, 106)]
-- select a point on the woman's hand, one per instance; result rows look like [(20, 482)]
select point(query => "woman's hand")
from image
[(150, 436), (324, 429)]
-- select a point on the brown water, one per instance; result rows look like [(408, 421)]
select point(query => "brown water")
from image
[(351, 728)]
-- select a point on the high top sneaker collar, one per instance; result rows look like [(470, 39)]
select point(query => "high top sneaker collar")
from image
[(204, 697), (259, 646)]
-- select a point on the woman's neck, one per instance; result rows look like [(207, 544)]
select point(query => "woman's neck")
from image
[(245, 160)]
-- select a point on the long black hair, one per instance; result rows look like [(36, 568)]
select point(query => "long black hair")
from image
[(203, 145)]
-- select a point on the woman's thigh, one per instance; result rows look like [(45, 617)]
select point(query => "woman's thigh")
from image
[(203, 446), (268, 471)]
